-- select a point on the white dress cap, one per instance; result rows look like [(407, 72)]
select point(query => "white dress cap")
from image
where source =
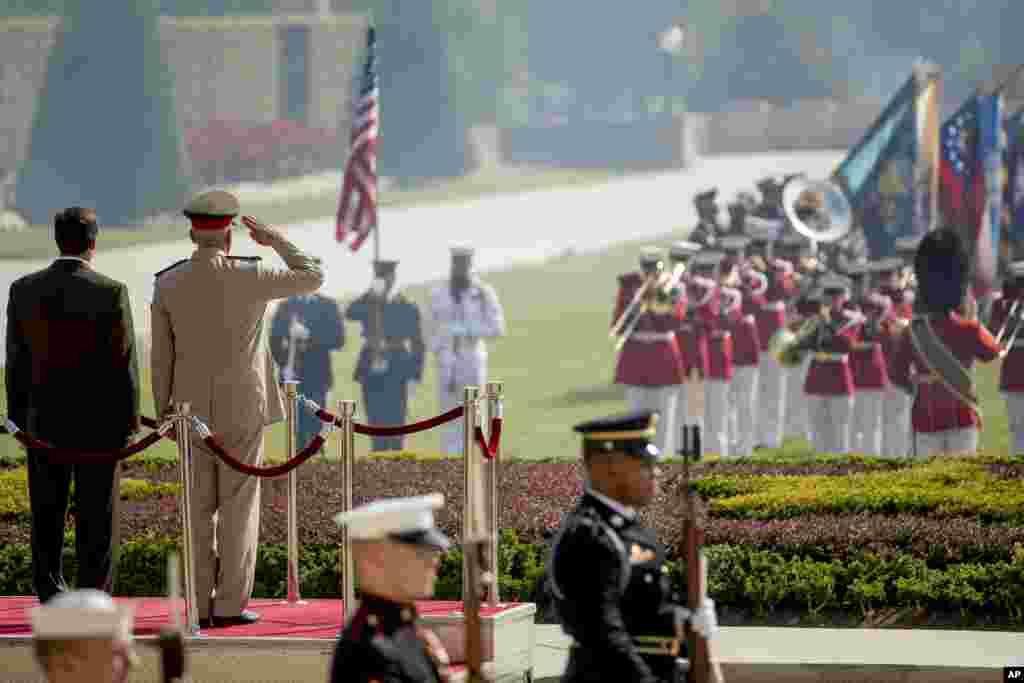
[(382, 519), (86, 613)]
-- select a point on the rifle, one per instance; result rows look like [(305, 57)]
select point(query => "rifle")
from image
[(703, 668), (172, 638)]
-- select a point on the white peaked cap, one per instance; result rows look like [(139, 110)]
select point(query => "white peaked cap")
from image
[(86, 613), (683, 249), (395, 517)]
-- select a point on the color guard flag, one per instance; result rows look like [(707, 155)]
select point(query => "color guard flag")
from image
[(357, 208), (1013, 197)]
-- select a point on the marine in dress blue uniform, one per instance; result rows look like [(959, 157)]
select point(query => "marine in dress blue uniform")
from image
[(607, 571), (391, 359), (313, 323), (397, 550)]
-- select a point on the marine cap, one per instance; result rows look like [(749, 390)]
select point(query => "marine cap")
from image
[(215, 203), (403, 520), (630, 433), (86, 613), (384, 268), (683, 250)]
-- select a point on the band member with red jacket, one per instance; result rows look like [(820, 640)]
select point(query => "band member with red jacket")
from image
[(1007, 312), (718, 314), (941, 346), (867, 361), (895, 277), (899, 394), (798, 250), (690, 336), (650, 364), (829, 384), (746, 360)]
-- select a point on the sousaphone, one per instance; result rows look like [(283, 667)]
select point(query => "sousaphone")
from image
[(817, 209)]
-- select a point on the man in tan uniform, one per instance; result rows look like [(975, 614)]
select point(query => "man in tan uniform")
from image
[(210, 349)]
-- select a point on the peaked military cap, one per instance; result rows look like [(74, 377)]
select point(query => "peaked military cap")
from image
[(887, 265), (834, 284), (908, 244), (650, 255), (462, 251), (706, 196), (215, 203), (384, 268), (683, 250), (768, 184), (734, 242), (1016, 269), (86, 613), (630, 433), (709, 258), (403, 520)]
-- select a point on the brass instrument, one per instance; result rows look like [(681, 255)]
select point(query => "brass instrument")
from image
[(789, 347), (659, 285), (627, 313), (817, 209)]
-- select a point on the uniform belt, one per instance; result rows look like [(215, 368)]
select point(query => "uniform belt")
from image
[(652, 337), (827, 357), (719, 334), (774, 306)]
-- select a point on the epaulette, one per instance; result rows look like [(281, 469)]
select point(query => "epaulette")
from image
[(171, 267)]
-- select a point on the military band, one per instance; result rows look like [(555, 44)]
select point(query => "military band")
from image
[(867, 360), (1006, 318)]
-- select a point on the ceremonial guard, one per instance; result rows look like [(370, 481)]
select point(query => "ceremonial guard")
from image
[(464, 312), (798, 251), (650, 364), (708, 229), (1007, 316), (771, 318), (941, 347), (752, 285), (868, 364), (690, 337), (397, 551), (83, 635), (719, 315), (391, 360), (304, 331), (893, 283), (608, 573), (829, 385)]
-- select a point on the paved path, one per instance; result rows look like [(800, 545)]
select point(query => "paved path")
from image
[(505, 228)]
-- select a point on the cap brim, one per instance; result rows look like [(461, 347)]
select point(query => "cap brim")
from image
[(644, 451), (428, 538)]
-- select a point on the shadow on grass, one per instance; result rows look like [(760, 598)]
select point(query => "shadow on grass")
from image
[(595, 394)]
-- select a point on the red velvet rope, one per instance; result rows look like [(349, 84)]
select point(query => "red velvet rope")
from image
[(72, 456), (396, 430), (305, 454), (489, 449)]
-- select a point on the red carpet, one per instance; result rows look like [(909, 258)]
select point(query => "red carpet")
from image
[(316, 619)]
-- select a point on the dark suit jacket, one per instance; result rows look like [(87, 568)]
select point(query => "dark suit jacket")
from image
[(72, 372), (327, 333)]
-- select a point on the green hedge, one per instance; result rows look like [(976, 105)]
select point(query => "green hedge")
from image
[(754, 581)]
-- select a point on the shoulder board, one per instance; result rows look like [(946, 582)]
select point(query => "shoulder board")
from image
[(171, 267)]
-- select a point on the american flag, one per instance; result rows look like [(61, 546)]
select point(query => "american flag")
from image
[(357, 209)]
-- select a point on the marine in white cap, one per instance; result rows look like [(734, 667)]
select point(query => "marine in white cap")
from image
[(83, 636), (464, 313), (397, 552)]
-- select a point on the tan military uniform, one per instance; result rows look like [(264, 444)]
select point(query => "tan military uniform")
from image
[(210, 349)]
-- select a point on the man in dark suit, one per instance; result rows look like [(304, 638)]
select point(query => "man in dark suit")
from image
[(304, 331), (392, 356), (73, 381)]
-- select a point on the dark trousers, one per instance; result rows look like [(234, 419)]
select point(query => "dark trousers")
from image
[(308, 425), (386, 405), (48, 488)]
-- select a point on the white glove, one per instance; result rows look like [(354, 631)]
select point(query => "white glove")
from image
[(298, 331), (705, 621)]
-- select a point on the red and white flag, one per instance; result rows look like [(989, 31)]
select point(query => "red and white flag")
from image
[(357, 209)]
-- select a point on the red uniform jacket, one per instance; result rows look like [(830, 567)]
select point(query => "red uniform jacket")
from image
[(935, 408), (868, 364), (692, 331), (720, 316), (826, 377), (772, 315), (651, 356), (746, 346), (902, 300), (1011, 374)]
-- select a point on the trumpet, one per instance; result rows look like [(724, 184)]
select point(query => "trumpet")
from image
[(1016, 317), (634, 304), (661, 286)]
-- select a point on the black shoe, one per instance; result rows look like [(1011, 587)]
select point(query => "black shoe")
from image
[(244, 619)]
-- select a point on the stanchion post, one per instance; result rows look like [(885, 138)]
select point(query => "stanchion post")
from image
[(495, 409), (470, 473), (182, 418), (291, 394), (346, 456)]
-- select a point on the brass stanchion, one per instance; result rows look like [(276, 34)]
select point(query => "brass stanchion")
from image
[(182, 418), (471, 474), (346, 456), (291, 388), (495, 409)]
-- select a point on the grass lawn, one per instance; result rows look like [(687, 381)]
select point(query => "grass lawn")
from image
[(37, 241), (556, 362)]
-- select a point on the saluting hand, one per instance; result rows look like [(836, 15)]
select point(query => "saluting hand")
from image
[(260, 233)]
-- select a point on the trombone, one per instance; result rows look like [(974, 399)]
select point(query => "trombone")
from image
[(631, 315), (1016, 316)]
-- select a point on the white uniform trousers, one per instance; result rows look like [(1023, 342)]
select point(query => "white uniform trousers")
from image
[(683, 417), (743, 409), (896, 422), (796, 407), (454, 373), (830, 423), (1015, 414), (952, 441), (866, 429), (771, 402), (663, 401), (716, 417)]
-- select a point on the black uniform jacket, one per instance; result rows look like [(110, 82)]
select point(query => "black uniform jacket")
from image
[(401, 332), (608, 575), (380, 644)]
